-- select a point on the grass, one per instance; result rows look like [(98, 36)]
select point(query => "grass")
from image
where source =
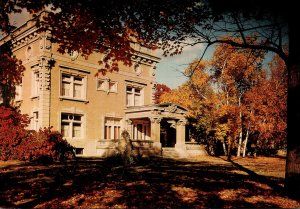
[(206, 182)]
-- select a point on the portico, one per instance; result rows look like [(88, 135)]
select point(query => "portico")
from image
[(162, 125)]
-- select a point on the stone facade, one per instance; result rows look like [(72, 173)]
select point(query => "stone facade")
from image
[(62, 91)]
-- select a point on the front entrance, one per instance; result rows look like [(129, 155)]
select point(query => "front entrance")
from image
[(167, 133)]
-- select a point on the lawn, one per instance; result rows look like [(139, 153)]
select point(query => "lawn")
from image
[(207, 182)]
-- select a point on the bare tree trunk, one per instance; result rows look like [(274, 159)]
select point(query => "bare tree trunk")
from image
[(245, 142), (224, 148), (238, 154)]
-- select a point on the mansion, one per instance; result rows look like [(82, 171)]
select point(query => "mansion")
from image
[(63, 91)]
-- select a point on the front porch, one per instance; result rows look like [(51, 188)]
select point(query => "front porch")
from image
[(163, 124), (158, 130)]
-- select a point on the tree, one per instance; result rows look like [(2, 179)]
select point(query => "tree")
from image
[(235, 72), (11, 72), (200, 99), (266, 105), (112, 25), (160, 89)]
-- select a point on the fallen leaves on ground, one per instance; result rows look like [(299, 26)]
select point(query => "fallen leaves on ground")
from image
[(206, 182)]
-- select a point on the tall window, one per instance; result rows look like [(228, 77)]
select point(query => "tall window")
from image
[(112, 129), (134, 96), (71, 125), (35, 121), (73, 86), (35, 83), (18, 96)]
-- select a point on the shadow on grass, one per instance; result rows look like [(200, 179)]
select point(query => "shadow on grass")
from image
[(260, 178), (151, 183)]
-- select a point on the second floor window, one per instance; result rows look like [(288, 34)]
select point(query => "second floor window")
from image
[(35, 83), (134, 96), (107, 85), (73, 86), (18, 95)]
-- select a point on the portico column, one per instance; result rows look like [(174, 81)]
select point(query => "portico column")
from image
[(155, 132), (180, 134)]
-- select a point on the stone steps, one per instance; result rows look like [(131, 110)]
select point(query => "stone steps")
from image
[(169, 153)]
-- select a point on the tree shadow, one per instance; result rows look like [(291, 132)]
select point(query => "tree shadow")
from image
[(260, 178), (151, 183)]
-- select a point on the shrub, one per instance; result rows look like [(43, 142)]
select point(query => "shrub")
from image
[(19, 143), (46, 145), (12, 132)]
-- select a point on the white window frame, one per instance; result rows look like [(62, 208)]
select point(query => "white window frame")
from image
[(113, 123), (35, 120), (35, 83), (73, 82), (19, 92), (113, 86), (71, 121), (103, 86), (106, 85), (133, 93)]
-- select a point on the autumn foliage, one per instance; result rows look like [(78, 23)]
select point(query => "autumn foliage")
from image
[(46, 145), (266, 105), (17, 142), (12, 133), (11, 71), (159, 90), (235, 101)]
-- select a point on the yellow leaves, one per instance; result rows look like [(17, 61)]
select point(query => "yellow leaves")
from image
[(232, 92), (267, 102), (197, 94), (182, 96), (222, 130)]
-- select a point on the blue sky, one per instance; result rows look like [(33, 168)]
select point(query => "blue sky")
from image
[(169, 70)]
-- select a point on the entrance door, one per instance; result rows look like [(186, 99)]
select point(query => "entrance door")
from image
[(167, 135)]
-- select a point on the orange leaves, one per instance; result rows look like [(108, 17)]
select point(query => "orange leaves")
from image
[(231, 94), (267, 103), (160, 89)]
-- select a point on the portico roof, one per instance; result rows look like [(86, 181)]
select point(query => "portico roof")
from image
[(165, 110)]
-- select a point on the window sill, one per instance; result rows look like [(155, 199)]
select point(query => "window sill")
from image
[(107, 91), (34, 97), (73, 138), (130, 106), (73, 99)]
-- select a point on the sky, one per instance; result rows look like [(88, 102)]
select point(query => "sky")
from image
[(169, 69)]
